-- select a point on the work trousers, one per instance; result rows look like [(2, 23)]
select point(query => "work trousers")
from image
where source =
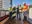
[(10, 15), (22, 17)]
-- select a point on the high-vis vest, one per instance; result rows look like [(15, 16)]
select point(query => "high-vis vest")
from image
[(10, 9), (14, 15), (25, 8)]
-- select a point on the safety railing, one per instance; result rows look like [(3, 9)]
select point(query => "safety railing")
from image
[(3, 14)]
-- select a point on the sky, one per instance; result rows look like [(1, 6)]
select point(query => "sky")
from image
[(16, 2)]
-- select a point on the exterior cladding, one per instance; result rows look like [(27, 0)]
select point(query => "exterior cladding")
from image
[(4, 5)]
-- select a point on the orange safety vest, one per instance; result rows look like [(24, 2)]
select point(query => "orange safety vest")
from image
[(25, 8)]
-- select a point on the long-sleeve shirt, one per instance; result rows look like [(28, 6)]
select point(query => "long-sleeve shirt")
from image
[(17, 10)]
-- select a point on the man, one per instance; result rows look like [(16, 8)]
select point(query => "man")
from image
[(25, 8), (10, 9), (14, 13), (22, 15), (17, 12)]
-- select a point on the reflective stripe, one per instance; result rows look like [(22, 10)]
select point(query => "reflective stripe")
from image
[(14, 15), (10, 9)]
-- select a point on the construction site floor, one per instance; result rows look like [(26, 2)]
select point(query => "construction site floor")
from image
[(6, 21)]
